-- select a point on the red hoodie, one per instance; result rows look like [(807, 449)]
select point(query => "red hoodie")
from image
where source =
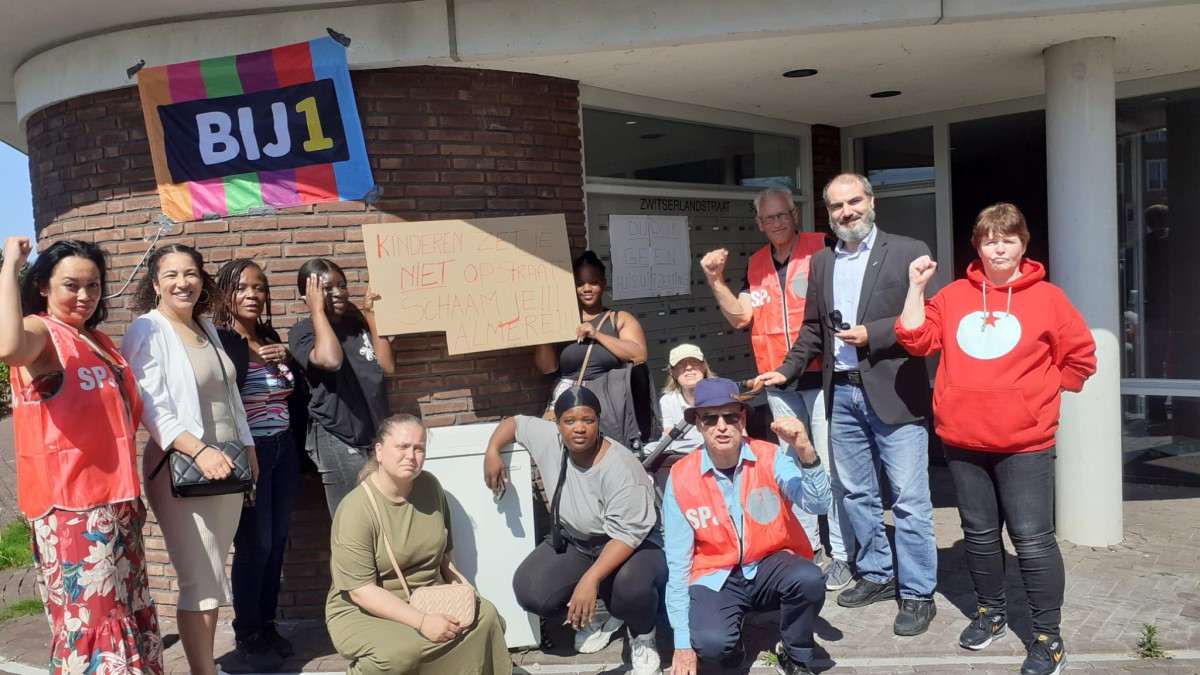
[(1007, 351)]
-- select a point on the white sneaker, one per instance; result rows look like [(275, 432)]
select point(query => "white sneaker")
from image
[(643, 654), (597, 633)]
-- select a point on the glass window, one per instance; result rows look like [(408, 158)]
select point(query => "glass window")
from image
[(900, 159), (911, 215), (1161, 439), (1158, 143), (1156, 174), (621, 145)]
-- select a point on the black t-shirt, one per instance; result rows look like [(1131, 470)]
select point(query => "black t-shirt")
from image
[(809, 379), (600, 362), (351, 402)]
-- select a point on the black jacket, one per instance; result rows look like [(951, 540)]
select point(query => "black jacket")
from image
[(897, 384), (238, 349)]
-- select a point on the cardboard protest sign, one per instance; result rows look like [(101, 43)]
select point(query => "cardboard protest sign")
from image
[(489, 283), (237, 134), (651, 256)]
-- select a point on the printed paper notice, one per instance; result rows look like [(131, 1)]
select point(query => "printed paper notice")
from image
[(489, 283), (651, 256)]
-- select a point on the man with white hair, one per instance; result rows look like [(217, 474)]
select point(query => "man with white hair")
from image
[(731, 541), (771, 304)]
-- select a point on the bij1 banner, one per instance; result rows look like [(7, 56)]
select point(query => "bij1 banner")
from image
[(275, 128)]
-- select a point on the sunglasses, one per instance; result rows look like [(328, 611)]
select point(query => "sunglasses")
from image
[(43, 387), (711, 419), (753, 387), (836, 322)]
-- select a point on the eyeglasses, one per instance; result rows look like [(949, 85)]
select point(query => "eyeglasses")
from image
[(836, 322), (731, 418), (778, 217)]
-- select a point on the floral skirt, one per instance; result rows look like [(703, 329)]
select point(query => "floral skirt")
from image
[(91, 571)]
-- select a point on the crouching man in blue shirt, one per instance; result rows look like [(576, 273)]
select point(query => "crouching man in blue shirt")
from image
[(732, 542)]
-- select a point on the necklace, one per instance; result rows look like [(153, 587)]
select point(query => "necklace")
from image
[(197, 336)]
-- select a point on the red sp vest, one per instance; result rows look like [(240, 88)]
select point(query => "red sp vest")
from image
[(768, 524), (76, 449), (779, 312)]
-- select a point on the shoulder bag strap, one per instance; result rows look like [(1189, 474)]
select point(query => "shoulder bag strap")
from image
[(220, 364), (387, 543), (117, 372), (556, 529), (228, 392), (592, 343)]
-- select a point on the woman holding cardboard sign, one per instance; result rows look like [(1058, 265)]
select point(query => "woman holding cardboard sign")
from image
[(344, 360), (606, 340)]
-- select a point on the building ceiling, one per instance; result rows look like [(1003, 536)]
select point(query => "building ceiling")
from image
[(938, 61), (936, 67)]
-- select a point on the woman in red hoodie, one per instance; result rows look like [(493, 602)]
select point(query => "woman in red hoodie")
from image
[(1011, 342)]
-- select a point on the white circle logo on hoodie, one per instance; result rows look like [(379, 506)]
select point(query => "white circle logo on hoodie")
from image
[(988, 335)]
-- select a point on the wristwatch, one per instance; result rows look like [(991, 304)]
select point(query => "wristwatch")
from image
[(815, 463)]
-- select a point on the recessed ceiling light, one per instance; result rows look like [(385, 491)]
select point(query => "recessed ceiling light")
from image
[(630, 122), (885, 94), (651, 137), (801, 72)]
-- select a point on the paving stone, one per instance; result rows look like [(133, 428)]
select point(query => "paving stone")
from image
[(1151, 578)]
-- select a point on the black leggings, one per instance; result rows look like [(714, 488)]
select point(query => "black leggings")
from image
[(1015, 490), (545, 581)]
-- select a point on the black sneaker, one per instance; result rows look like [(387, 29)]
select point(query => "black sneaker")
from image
[(914, 616), (1046, 656), (784, 665), (986, 626), (257, 655), (866, 592), (279, 643)]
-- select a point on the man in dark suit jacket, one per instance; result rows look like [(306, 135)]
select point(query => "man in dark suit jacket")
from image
[(877, 397)]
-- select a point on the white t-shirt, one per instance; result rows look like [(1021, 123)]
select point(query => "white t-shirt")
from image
[(672, 406)]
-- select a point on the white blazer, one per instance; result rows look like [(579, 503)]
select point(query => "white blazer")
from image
[(167, 382)]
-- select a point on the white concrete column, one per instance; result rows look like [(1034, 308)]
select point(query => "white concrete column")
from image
[(1082, 185)]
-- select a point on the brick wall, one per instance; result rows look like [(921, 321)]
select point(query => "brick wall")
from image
[(827, 163), (443, 142)]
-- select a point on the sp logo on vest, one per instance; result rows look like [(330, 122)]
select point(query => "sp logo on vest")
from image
[(700, 518), (94, 378), (759, 298)]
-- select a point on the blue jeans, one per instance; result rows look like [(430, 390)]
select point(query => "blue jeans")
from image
[(1014, 490), (809, 406), (337, 463), (783, 581), (862, 444), (262, 534)]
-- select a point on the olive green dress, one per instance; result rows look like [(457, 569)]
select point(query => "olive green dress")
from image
[(419, 529)]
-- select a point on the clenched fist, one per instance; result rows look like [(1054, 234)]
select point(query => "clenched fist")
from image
[(713, 262)]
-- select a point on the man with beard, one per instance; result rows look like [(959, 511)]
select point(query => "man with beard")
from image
[(771, 304), (877, 397)]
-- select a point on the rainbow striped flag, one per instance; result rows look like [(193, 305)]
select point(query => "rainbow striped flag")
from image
[(233, 135)]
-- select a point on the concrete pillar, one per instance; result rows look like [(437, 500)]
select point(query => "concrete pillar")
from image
[(1082, 180)]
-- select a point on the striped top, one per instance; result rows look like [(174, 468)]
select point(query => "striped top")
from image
[(264, 396)]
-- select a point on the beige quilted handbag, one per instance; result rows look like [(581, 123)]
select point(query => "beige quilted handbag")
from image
[(455, 600)]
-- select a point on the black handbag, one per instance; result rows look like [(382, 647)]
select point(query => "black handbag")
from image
[(188, 480)]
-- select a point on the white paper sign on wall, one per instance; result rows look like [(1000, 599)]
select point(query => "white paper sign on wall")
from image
[(651, 256)]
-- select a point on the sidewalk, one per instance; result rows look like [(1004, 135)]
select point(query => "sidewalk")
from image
[(1153, 577)]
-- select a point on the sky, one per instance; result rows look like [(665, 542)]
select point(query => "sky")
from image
[(15, 195)]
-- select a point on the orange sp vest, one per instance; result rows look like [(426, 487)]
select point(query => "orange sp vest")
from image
[(768, 525), (76, 448), (779, 312)]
